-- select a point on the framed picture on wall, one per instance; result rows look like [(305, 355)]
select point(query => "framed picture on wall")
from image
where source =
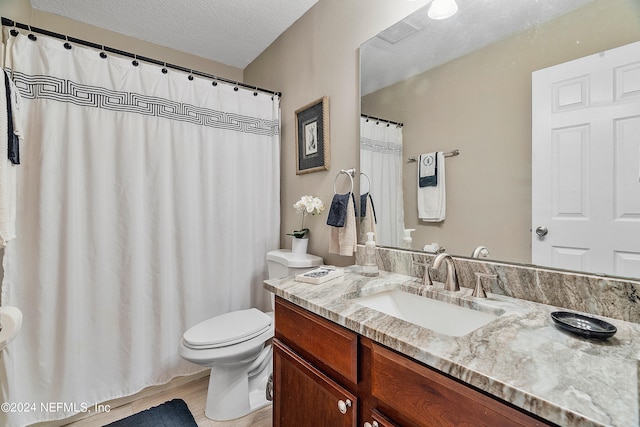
[(312, 137)]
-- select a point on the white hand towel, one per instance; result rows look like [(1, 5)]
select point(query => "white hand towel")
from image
[(343, 240), (432, 201)]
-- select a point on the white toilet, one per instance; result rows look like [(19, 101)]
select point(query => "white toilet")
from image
[(237, 348)]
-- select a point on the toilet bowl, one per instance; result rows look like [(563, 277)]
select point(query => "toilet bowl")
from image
[(237, 348)]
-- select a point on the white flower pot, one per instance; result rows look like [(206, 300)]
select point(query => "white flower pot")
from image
[(299, 246)]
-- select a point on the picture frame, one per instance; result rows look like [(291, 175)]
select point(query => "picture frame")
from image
[(312, 137)]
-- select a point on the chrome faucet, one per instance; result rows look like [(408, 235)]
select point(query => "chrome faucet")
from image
[(480, 251), (451, 281)]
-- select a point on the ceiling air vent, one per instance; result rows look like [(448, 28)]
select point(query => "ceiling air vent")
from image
[(397, 32)]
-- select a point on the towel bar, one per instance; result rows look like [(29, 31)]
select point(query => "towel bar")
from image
[(451, 153)]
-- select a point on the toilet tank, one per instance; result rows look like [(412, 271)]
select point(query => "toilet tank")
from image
[(283, 262)]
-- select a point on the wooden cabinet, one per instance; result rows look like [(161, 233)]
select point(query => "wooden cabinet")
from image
[(412, 394), (330, 347), (327, 375), (314, 371), (376, 419), (304, 396)]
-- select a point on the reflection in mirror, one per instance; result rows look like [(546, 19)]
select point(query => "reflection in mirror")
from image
[(466, 83), (381, 181)]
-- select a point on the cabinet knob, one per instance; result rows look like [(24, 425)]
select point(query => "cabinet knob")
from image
[(373, 424), (343, 405)]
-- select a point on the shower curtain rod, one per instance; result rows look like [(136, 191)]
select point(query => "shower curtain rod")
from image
[(10, 23), (399, 124)]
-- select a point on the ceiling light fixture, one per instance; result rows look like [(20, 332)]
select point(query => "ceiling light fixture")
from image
[(442, 9)]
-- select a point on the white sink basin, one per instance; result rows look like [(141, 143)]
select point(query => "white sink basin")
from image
[(441, 317)]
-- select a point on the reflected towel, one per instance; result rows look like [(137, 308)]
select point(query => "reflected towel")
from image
[(432, 200), (343, 240), (428, 170), (363, 206), (368, 217)]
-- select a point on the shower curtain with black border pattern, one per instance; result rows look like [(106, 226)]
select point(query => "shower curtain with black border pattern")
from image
[(146, 204)]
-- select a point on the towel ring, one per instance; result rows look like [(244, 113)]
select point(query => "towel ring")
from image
[(369, 180), (350, 172)]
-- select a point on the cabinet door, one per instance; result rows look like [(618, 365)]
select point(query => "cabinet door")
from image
[(378, 420), (304, 396)]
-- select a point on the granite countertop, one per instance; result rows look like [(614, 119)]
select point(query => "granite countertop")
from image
[(521, 357)]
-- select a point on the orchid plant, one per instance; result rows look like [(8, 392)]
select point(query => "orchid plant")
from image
[(307, 205)]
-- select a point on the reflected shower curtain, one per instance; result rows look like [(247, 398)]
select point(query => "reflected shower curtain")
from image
[(146, 204), (381, 161)]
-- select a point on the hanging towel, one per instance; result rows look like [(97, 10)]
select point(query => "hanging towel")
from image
[(343, 239), (14, 120), (338, 209), (367, 217), (7, 168), (428, 170), (363, 206), (432, 200)]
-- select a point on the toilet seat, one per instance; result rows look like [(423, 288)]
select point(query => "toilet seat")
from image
[(227, 329)]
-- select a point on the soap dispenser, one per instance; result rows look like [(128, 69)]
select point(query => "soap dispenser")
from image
[(370, 267), (406, 239)]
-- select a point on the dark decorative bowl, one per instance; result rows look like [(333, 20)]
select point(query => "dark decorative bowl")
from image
[(588, 327)]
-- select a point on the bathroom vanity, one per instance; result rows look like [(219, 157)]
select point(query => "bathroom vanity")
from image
[(340, 363), (316, 365)]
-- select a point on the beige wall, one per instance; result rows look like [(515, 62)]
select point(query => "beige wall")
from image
[(21, 11), (481, 104), (317, 56)]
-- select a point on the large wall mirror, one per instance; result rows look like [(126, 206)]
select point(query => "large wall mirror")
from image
[(465, 83)]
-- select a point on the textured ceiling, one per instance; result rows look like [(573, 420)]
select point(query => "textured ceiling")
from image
[(232, 32), (422, 43)]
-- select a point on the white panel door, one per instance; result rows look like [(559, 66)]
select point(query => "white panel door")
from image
[(586, 163)]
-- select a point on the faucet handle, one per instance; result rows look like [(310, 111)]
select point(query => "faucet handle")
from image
[(479, 291), (426, 279)]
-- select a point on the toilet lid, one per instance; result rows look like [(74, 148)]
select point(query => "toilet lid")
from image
[(227, 329)]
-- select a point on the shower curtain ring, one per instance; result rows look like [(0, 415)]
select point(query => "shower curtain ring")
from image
[(190, 77), (164, 68), (135, 61), (31, 36), (13, 31), (67, 45), (103, 55), (255, 93), (236, 87)]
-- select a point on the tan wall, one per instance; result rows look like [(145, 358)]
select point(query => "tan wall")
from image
[(317, 56), (21, 11), (481, 104)]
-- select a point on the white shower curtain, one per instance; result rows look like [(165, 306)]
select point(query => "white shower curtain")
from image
[(146, 203), (381, 161)]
